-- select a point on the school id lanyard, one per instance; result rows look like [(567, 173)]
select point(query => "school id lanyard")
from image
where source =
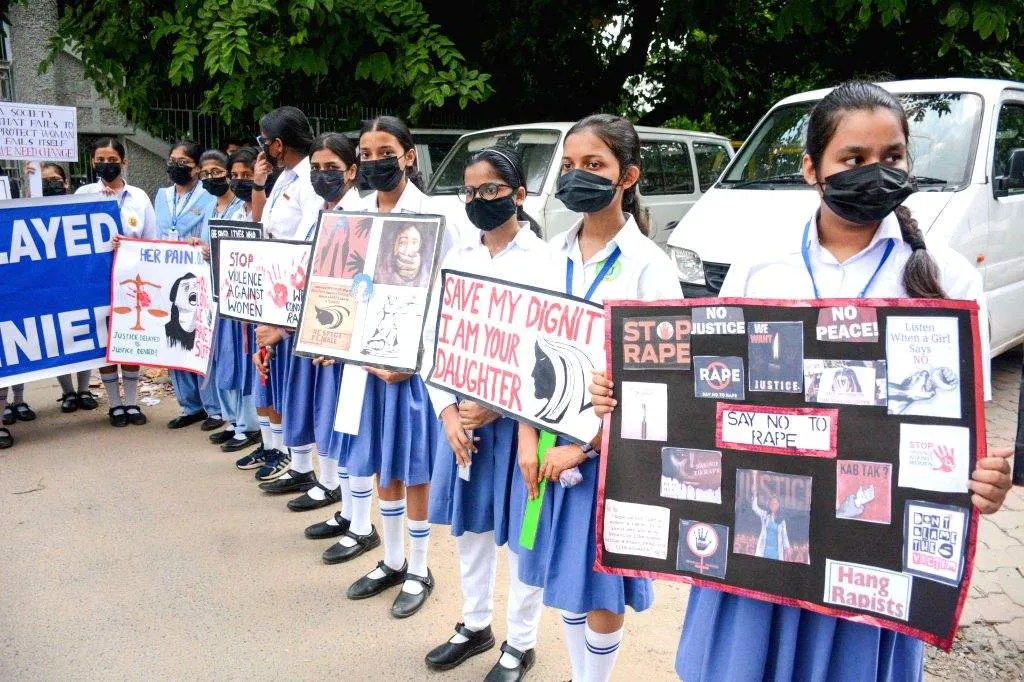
[(805, 252), (184, 204), (121, 199), (227, 211), (278, 190), (601, 274)]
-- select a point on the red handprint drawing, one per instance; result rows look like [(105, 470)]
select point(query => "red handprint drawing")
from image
[(944, 458)]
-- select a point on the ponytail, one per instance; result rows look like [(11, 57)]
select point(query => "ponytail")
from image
[(631, 205), (920, 274)]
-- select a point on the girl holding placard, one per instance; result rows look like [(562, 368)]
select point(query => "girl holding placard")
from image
[(606, 255), (859, 242)]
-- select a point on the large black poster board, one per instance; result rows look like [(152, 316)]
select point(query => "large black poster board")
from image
[(809, 453)]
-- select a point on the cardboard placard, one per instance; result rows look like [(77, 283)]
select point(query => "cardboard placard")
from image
[(818, 457), (369, 286), (38, 132), (161, 306), (229, 229), (525, 352), (261, 280)]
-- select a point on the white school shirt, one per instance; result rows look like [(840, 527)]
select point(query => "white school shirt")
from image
[(138, 219), (291, 199), (243, 214), (348, 202), (517, 263), (784, 275), (643, 271)]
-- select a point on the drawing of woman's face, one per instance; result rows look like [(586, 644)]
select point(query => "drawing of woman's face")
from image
[(405, 254), (543, 375)]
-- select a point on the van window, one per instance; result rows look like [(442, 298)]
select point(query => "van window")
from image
[(666, 168), (943, 138), (1009, 137), (711, 161), (536, 147)]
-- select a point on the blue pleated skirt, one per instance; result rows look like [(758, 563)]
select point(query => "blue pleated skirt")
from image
[(232, 365), (262, 395), (299, 394), (326, 380), (562, 559), (397, 436), (280, 364), (480, 505), (729, 638)]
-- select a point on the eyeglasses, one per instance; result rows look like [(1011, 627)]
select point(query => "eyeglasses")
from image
[(214, 174), (262, 142), (487, 191)]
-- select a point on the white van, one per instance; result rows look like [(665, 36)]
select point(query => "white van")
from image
[(967, 151), (678, 166)]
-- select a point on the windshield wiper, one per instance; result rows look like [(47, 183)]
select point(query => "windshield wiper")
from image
[(786, 179), (925, 180)]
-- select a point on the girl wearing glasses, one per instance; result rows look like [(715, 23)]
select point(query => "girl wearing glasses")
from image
[(473, 473), (180, 209)]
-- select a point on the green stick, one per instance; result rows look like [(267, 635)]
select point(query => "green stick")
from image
[(531, 518)]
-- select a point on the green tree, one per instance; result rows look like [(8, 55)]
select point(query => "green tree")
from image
[(240, 58)]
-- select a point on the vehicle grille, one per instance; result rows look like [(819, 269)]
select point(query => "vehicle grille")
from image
[(715, 274)]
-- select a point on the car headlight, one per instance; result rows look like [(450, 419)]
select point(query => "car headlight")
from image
[(688, 265)]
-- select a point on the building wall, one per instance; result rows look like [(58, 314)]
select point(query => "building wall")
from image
[(32, 25)]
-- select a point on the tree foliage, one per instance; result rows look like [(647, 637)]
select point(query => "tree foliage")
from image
[(240, 58)]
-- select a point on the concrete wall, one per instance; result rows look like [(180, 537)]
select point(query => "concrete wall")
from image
[(64, 83)]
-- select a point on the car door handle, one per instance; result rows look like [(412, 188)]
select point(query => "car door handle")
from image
[(671, 225)]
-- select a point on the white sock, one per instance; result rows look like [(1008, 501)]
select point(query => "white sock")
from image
[(392, 523), (268, 438), (362, 505), (576, 641), (131, 387), (525, 608), (113, 390), (346, 492), (83, 380), (277, 437), (602, 650), (19, 393), (328, 476), (302, 458), (478, 560), (65, 383), (419, 541)]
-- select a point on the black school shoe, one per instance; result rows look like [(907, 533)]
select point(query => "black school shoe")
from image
[(135, 415), (212, 424), (87, 401), (183, 420), (367, 587), (406, 604), (339, 553), (222, 437), (500, 673), (69, 403), (9, 416), (448, 655), (324, 530), (295, 483), (234, 445), (6, 439), (306, 503), (23, 412), (118, 416)]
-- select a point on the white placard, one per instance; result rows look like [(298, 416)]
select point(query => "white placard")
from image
[(868, 588), (43, 132), (934, 457), (637, 529)]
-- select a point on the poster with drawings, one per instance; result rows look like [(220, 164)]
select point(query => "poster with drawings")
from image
[(368, 289), (923, 355)]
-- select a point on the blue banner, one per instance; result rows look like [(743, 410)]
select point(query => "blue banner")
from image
[(55, 261)]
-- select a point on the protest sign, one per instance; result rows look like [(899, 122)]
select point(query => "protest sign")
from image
[(366, 299), (527, 353), (261, 281), (818, 456), (55, 258), (229, 229), (161, 303), (44, 132)]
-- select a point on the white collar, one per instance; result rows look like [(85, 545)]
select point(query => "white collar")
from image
[(889, 228), (629, 239), (523, 240)]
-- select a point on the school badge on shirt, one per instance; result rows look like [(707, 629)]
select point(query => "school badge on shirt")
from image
[(131, 220)]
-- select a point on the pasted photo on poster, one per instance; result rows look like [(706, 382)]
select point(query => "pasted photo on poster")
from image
[(934, 540), (773, 513), (775, 356), (934, 457), (644, 411), (864, 491), (406, 253), (393, 325), (923, 355), (718, 377), (703, 548), (689, 474), (342, 244), (656, 343), (844, 382)]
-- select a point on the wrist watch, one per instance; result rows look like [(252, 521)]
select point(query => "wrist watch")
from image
[(589, 452), (259, 188)]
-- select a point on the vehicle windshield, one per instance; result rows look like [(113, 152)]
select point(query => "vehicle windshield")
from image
[(943, 133), (536, 147)]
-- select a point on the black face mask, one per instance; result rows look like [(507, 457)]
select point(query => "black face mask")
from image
[(242, 189), (328, 184), (866, 194), (487, 215), (218, 187), (382, 175), (179, 175), (54, 188), (108, 172), (584, 192)]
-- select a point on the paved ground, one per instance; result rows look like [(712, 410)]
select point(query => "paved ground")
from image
[(142, 553)]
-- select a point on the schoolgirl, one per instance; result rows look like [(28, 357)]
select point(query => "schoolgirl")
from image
[(230, 368), (180, 210), (6, 439), (311, 396), (138, 220), (504, 246), (859, 242), (285, 138), (604, 256), (398, 430)]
